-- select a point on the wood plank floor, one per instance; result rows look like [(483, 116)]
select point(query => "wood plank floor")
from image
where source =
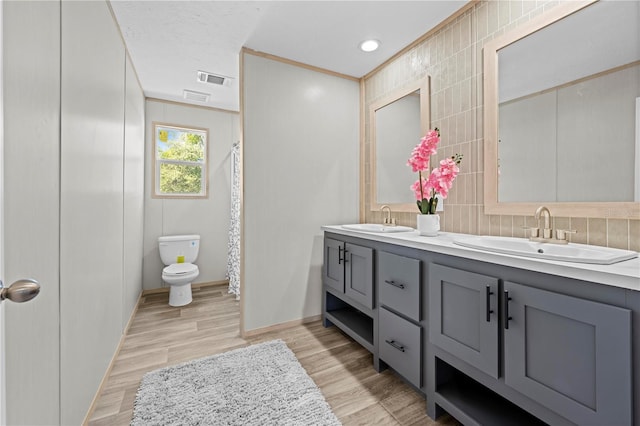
[(161, 335)]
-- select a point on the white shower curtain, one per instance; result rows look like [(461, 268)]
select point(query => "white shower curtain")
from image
[(233, 259)]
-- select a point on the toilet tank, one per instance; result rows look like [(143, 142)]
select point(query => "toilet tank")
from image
[(174, 246)]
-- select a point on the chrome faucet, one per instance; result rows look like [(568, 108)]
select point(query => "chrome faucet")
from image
[(388, 220)]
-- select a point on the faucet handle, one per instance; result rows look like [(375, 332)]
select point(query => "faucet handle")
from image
[(534, 231), (561, 234)]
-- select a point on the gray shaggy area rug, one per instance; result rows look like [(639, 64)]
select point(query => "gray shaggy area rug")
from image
[(263, 384)]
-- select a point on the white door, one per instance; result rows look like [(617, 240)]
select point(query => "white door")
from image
[(22, 290), (31, 162), (3, 420)]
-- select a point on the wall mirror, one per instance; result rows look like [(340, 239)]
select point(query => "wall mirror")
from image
[(562, 113), (397, 123)]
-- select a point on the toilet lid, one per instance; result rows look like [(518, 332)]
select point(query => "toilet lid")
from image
[(180, 268)]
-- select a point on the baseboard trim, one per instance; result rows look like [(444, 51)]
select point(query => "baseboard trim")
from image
[(279, 327), (103, 382), (194, 285)]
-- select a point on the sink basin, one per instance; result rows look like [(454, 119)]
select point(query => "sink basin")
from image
[(376, 227), (571, 252)]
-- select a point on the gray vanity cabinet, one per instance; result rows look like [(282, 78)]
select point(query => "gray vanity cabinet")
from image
[(347, 296), (568, 354), (348, 269), (463, 316), (358, 274), (333, 266), (400, 331), (491, 344)]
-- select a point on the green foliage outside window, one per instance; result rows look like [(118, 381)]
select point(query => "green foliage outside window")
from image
[(185, 151)]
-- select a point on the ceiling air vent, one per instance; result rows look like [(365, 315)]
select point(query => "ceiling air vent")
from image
[(192, 95), (220, 80)]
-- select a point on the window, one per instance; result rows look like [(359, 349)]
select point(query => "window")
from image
[(180, 161)]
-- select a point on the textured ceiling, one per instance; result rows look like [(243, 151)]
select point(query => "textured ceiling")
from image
[(169, 41)]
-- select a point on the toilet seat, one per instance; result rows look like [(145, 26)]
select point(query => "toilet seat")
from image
[(180, 273), (178, 269)]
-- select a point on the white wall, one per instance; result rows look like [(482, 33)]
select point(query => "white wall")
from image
[(92, 206), (133, 193), (300, 171), (31, 34), (209, 217)]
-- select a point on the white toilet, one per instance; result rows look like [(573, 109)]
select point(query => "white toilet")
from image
[(179, 252)]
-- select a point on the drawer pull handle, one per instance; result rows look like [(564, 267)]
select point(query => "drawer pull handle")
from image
[(395, 345), (395, 284), (489, 311), (506, 310)]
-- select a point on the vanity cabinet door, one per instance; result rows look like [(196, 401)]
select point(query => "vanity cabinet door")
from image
[(463, 316), (571, 355), (358, 278), (399, 284), (333, 267)]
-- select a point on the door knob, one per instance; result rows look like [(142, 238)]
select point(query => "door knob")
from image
[(20, 291)]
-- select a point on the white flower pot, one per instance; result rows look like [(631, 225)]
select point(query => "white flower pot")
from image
[(428, 224)]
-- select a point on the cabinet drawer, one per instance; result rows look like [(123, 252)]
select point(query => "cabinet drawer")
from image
[(400, 345), (399, 284)]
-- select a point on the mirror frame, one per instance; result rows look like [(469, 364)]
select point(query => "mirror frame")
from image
[(621, 210), (425, 121)]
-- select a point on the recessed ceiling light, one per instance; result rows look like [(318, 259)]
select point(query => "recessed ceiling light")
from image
[(369, 45)]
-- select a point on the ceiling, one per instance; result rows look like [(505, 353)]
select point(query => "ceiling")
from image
[(169, 41)]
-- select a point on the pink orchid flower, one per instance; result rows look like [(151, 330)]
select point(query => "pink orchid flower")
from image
[(441, 178), (419, 160)]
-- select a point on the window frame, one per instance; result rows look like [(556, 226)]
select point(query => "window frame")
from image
[(156, 162)]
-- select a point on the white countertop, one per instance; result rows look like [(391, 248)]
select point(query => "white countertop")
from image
[(624, 274)]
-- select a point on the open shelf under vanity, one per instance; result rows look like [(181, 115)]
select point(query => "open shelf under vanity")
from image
[(473, 403), (350, 320)]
